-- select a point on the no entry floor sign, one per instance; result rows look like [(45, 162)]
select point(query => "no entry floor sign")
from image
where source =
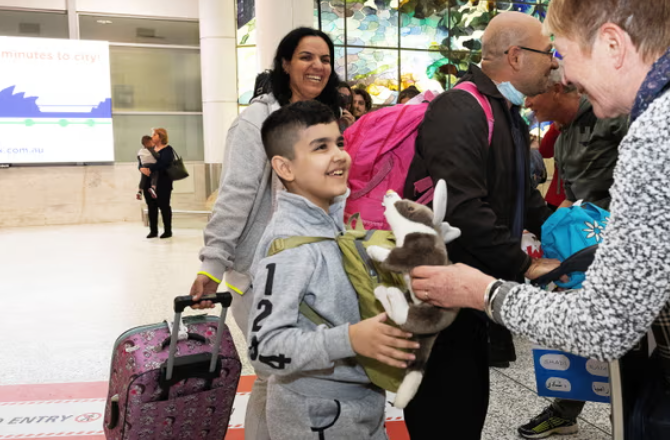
[(75, 411)]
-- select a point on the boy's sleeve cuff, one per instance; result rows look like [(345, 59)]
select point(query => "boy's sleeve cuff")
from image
[(338, 345), (213, 270)]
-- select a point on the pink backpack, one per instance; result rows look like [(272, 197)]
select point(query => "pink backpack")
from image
[(382, 145)]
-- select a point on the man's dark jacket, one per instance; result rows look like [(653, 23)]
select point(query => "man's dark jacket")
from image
[(482, 180)]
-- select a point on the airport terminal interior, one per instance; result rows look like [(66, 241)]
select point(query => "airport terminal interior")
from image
[(76, 270)]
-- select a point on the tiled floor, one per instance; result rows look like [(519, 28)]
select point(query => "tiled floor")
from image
[(69, 291)]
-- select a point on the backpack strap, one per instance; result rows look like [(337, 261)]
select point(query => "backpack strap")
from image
[(282, 244), (426, 184), (310, 313), (471, 88)]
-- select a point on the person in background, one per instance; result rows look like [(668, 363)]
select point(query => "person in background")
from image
[(585, 153), (555, 194), (491, 200), (165, 157), (586, 150), (346, 119), (362, 102), (146, 156), (407, 94), (303, 69)]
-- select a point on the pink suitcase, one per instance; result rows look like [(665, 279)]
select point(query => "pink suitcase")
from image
[(162, 388)]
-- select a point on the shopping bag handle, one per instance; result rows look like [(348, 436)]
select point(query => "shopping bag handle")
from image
[(577, 262)]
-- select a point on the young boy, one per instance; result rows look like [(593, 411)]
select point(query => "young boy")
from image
[(316, 388), (145, 157)]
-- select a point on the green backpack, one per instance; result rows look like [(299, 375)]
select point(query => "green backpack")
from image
[(365, 275)]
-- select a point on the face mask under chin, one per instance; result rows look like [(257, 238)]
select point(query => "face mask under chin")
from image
[(511, 93)]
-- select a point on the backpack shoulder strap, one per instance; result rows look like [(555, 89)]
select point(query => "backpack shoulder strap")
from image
[(310, 313), (471, 88), (282, 244)]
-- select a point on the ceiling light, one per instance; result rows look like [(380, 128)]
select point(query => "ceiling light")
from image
[(104, 21)]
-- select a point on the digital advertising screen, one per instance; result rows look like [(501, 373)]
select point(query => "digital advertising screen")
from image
[(55, 101)]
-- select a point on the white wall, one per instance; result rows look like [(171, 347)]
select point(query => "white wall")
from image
[(149, 8), (34, 4)]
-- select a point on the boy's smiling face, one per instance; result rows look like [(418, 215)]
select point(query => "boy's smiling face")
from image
[(320, 166)]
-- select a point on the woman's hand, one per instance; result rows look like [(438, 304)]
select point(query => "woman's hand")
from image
[(348, 118), (374, 339), (145, 171), (456, 285), (542, 266)]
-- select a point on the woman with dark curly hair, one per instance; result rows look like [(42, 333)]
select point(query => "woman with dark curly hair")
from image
[(303, 69)]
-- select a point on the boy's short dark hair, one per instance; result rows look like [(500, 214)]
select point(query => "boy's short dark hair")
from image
[(280, 129), (146, 139)]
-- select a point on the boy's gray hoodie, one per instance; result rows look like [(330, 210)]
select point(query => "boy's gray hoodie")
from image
[(243, 207), (310, 360)]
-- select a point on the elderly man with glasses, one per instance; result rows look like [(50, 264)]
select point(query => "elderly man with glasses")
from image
[(491, 200)]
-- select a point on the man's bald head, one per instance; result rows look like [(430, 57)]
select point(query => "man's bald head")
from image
[(509, 29), (528, 60)]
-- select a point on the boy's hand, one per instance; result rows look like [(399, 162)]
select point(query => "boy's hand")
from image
[(374, 339), (203, 285)]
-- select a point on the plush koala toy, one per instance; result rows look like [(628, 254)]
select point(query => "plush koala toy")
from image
[(420, 240)]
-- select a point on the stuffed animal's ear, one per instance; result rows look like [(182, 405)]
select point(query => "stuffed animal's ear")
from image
[(439, 202), (449, 233)]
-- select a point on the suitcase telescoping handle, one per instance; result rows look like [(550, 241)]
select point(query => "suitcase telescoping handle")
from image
[(180, 303)]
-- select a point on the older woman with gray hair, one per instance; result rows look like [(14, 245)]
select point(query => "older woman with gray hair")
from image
[(617, 52)]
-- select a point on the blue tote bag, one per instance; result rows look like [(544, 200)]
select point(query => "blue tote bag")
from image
[(570, 230)]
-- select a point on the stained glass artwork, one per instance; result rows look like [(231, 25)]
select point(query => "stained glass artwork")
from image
[(376, 70), (391, 44), (372, 23), (340, 63), (246, 22), (246, 73), (418, 30), (466, 25), (423, 70), (332, 20)]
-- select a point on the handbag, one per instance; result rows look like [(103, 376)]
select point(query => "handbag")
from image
[(570, 230), (177, 169)]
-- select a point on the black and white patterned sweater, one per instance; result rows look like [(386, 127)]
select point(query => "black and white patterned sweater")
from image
[(628, 284)]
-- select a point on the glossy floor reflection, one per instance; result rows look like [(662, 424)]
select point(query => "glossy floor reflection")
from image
[(69, 291)]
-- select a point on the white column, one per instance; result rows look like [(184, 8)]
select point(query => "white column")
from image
[(218, 58), (274, 19)]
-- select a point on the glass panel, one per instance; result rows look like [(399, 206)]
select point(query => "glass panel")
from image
[(422, 69), (340, 62), (423, 27), (246, 73), (184, 132), (466, 24), (139, 30), (375, 25), (33, 24), (154, 79), (460, 62), (246, 22), (536, 9), (332, 20), (377, 70)]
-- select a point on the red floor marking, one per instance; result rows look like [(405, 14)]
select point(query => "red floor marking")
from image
[(39, 394), (53, 391)]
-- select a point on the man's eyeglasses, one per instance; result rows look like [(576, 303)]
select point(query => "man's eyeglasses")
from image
[(551, 52)]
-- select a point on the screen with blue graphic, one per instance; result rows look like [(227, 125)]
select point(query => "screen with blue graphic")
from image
[(55, 101)]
